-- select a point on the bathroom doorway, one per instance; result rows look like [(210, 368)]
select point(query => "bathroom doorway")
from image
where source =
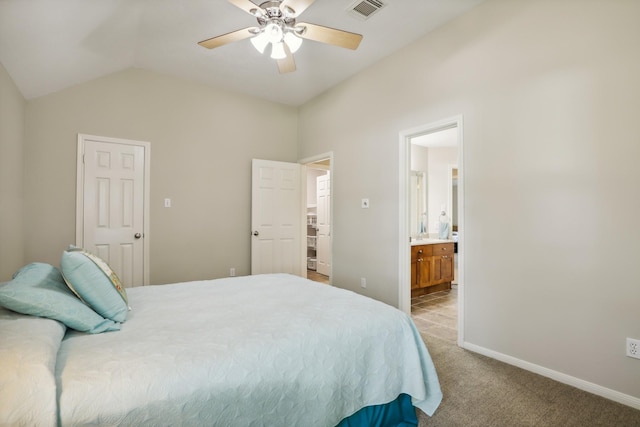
[(433, 151)]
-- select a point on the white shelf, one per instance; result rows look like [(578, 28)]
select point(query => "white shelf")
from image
[(311, 242)]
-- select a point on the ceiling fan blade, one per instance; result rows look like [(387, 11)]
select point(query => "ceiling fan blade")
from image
[(231, 37), (288, 64), (245, 5), (298, 6), (330, 35)]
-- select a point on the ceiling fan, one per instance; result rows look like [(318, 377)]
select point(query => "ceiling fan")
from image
[(277, 27)]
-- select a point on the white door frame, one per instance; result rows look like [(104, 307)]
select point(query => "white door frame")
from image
[(80, 191), (404, 249), (304, 162)]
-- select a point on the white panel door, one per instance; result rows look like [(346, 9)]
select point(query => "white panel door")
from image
[(323, 252), (276, 218), (113, 207)]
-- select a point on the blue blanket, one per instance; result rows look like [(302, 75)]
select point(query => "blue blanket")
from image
[(270, 350)]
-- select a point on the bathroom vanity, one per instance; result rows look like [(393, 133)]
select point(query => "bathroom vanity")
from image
[(432, 266)]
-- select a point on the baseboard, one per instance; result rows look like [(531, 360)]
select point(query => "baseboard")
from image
[(587, 386)]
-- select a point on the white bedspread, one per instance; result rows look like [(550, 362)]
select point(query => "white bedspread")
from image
[(28, 348), (271, 350)]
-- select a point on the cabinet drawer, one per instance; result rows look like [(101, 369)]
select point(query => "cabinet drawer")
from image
[(420, 251), (443, 249)]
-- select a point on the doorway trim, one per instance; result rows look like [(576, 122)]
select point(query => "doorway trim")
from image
[(404, 249), (80, 192), (305, 162)]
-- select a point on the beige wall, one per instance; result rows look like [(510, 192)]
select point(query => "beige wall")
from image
[(12, 123), (550, 97), (202, 142)]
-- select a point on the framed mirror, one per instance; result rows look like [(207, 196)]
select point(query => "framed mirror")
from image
[(418, 204)]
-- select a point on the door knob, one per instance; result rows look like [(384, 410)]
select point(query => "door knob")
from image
[(255, 233), (137, 235)]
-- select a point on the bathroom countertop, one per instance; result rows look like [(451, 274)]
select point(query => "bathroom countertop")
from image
[(415, 242)]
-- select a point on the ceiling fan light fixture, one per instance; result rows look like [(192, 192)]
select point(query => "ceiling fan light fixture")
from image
[(294, 42), (273, 32), (260, 42), (277, 51)]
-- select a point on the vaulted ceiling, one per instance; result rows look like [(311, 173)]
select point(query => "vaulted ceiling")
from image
[(48, 45)]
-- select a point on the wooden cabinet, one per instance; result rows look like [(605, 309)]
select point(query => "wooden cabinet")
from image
[(442, 263), (432, 268), (420, 266)]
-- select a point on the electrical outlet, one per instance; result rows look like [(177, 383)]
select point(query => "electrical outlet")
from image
[(363, 282), (232, 272), (633, 348)]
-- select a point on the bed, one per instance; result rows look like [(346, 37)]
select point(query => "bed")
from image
[(272, 350)]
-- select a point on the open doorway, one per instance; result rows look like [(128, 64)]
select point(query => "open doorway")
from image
[(431, 174), (318, 219), (434, 300)]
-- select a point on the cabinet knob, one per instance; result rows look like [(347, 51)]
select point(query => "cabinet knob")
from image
[(420, 260), (445, 256), (420, 251)]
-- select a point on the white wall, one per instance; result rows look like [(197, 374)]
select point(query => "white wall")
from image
[(419, 158), (202, 142), (550, 97), (312, 186), (12, 122)]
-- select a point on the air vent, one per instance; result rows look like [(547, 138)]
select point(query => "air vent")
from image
[(364, 9)]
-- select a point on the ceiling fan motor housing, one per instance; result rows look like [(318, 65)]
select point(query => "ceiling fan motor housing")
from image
[(272, 12), (274, 15)]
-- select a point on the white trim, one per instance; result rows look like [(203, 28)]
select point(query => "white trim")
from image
[(147, 192), (461, 234), (306, 161), (404, 233), (404, 249), (587, 386)]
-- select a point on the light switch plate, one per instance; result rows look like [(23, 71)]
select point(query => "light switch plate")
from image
[(365, 203)]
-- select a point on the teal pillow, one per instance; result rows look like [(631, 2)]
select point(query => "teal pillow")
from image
[(93, 281), (38, 289)]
